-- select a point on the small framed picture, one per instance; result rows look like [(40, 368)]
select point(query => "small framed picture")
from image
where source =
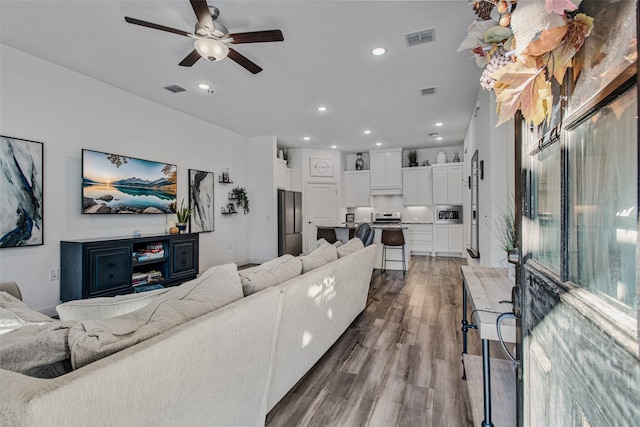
[(350, 217)]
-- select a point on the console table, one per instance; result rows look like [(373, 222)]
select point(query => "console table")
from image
[(485, 288), (108, 267)]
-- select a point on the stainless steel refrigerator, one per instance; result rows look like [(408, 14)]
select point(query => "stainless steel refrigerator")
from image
[(289, 222)]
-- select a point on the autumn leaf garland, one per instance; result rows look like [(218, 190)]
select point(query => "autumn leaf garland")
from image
[(524, 83)]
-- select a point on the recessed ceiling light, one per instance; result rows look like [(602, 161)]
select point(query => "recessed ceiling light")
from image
[(367, 132), (204, 86), (322, 108), (378, 143), (439, 124), (307, 138), (439, 138), (334, 146), (378, 51)]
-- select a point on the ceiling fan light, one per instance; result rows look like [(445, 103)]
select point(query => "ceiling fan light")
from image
[(211, 49)]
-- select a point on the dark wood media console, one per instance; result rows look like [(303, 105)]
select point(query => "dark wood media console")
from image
[(106, 267)]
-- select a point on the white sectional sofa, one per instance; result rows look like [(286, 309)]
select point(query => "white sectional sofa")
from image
[(229, 366)]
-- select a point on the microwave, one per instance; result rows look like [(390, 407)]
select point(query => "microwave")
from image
[(446, 214)]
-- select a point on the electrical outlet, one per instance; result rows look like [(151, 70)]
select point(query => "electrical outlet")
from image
[(54, 274)]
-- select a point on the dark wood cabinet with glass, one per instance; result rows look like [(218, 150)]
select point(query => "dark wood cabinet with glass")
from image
[(106, 267)]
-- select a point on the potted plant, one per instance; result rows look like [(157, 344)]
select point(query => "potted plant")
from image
[(182, 214), (412, 155), (240, 194), (506, 233)]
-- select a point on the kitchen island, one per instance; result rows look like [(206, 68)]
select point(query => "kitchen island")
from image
[(342, 234)]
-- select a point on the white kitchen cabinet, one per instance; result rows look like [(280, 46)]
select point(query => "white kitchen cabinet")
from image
[(386, 172), (447, 184), (357, 189), (449, 238), (421, 237), (283, 175), (417, 186)]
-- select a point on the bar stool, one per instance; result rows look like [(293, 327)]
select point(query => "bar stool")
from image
[(393, 238), (328, 234)]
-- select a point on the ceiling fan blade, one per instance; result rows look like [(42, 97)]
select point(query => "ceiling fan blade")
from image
[(243, 61), (201, 8), (190, 59), (257, 37), (155, 26)]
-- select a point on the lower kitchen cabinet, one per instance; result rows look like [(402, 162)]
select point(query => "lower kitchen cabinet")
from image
[(449, 238), (421, 236)]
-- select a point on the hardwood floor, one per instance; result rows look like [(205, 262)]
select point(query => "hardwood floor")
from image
[(398, 364)]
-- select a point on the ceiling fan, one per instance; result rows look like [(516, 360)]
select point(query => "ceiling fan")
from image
[(212, 39)]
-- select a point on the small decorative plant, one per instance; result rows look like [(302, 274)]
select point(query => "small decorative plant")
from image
[(183, 213), (506, 225), (240, 194), (412, 155)]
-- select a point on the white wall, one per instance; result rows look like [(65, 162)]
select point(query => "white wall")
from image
[(67, 111), (496, 149), (262, 240)]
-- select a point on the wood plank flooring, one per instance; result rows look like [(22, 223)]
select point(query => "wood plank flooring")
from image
[(398, 364)]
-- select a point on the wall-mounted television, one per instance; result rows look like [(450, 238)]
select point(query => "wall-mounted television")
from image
[(117, 184)]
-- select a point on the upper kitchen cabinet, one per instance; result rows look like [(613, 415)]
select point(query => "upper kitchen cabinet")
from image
[(386, 172), (357, 189), (447, 184), (417, 186), (283, 175)]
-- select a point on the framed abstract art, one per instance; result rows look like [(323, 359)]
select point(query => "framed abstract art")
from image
[(21, 195), (201, 201)]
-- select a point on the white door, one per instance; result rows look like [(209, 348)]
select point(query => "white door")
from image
[(321, 208)]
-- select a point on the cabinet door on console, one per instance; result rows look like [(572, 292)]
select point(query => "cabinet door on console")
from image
[(110, 269), (184, 260)]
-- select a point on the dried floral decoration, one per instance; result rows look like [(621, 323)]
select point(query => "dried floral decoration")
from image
[(522, 45)]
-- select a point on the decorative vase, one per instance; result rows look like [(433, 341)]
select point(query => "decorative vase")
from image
[(174, 230), (182, 227), (359, 162), (456, 158), (441, 157)]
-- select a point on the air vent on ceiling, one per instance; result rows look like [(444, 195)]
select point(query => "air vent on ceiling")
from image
[(428, 91), (175, 88), (420, 37)]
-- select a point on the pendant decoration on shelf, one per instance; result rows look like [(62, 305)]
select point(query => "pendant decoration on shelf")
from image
[(522, 45)]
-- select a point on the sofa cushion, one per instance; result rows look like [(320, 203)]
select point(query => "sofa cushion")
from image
[(37, 350), (322, 255), (15, 314), (103, 308), (90, 340), (350, 247), (337, 243), (270, 273)]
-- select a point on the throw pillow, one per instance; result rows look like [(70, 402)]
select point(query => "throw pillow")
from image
[(90, 340), (350, 247), (337, 243), (103, 308), (270, 273), (319, 257), (14, 314), (320, 242)]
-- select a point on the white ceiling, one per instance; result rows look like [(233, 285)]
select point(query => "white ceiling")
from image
[(324, 60)]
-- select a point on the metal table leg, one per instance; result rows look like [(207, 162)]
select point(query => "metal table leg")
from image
[(464, 328), (486, 379)]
